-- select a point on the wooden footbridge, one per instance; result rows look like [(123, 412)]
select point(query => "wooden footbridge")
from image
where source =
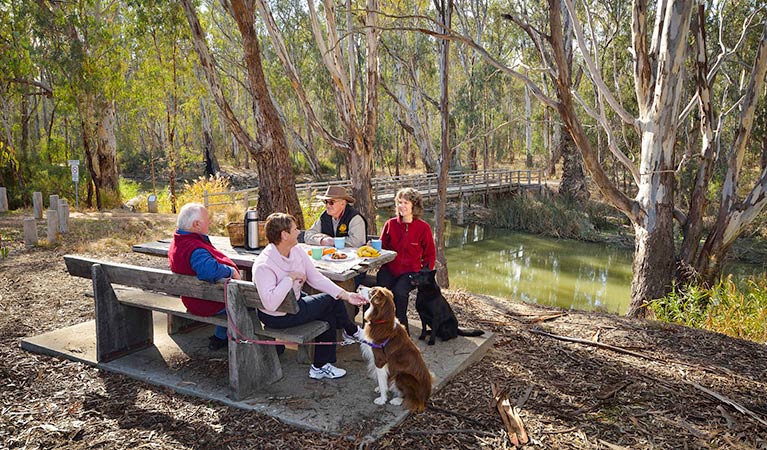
[(460, 184)]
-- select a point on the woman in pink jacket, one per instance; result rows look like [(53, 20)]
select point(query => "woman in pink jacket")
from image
[(283, 266)]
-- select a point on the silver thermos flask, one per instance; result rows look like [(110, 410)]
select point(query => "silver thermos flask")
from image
[(251, 229)]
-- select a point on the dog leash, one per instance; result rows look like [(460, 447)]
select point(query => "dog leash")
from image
[(240, 338)]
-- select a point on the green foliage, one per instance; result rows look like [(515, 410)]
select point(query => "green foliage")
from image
[(544, 216), (738, 311), (40, 176), (129, 188)]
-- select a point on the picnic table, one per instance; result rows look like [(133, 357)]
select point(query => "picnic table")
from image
[(342, 272)]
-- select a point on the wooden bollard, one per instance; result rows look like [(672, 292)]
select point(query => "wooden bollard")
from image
[(3, 200), (30, 232), (53, 225), (63, 216), (37, 204), (53, 202)]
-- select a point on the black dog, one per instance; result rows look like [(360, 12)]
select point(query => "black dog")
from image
[(435, 311)]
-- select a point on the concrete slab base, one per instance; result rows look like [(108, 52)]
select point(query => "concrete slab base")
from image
[(344, 406)]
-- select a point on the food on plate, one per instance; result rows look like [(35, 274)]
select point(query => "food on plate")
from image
[(367, 251), (328, 251), (339, 255)]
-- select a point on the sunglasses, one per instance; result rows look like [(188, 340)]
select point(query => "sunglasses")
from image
[(330, 202)]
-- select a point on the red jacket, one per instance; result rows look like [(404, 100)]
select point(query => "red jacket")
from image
[(179, 256), (413, 242)]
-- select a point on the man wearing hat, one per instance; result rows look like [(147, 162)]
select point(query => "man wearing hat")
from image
[(338, 220)]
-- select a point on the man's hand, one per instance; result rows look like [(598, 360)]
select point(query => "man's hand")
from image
[(236, 274), (327, 241)]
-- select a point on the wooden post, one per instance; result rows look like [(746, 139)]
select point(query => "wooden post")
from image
[(53, 202), (53, 224), (119, 329), (37, 204), (459, 219), (3, 199), (63, 216), (30, 232), (250, 366)]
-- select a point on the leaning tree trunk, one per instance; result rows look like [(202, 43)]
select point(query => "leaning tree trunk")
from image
[(277, 182), (276, 190)]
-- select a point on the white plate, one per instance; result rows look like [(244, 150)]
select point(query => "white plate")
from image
[(349, 257)]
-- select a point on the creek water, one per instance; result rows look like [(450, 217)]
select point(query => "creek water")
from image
[(557, 272), (543, 270)]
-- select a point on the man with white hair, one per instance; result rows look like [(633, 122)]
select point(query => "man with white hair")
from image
[(191, 253)]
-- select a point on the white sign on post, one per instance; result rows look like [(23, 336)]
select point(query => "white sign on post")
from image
[(74, 166)]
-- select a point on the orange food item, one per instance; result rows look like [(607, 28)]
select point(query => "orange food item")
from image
[(309, 252), (328, 251)]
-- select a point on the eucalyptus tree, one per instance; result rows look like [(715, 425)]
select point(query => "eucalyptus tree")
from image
[(83, 41), (356, 101), (160, 79), (659, 75), (276, 179), (411, 71), (18, 81)]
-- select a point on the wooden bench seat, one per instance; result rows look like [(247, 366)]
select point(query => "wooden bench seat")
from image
[(126, 295)]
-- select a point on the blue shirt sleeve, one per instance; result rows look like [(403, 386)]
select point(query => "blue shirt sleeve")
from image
[(207, 268)]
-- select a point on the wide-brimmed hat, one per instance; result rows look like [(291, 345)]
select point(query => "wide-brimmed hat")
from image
[(336, 192)]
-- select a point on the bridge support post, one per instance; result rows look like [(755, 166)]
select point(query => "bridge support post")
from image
[(459, 219)]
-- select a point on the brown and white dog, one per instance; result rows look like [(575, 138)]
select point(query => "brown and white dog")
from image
[(393, 359)]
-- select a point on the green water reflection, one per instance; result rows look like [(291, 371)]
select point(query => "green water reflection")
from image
[(564, 273), (547, 271)]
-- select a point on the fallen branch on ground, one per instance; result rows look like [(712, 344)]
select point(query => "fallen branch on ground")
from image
[(594, 344), (740, 408), (510, 417), (546, 317)]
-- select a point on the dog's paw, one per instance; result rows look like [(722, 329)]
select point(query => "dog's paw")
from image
[(396, 401), (431, 342), (378, 390), (380, 401), (421, 337)]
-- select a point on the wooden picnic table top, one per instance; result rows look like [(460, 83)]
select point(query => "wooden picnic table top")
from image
[(338, 271)]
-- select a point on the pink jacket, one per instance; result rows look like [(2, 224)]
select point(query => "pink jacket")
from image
[(270, 275)]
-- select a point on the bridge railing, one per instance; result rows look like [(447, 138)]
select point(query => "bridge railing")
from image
[(386, 187)]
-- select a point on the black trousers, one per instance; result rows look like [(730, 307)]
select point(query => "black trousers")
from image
[(316, 307), (400, 287)]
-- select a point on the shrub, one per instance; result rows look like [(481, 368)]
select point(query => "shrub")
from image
[(544, 216), (738, 311)]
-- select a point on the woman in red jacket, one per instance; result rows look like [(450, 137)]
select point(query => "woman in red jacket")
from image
[(412, 239)]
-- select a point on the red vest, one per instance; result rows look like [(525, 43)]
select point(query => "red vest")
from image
[(180, 255)]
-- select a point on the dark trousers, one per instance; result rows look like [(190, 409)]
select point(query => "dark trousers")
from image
[(400, 287), (316, 307)]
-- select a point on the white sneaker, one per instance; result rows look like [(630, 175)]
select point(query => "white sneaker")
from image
[(326, 371), (353, 339)]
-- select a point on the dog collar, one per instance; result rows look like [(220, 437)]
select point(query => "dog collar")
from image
[(374, 345)]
